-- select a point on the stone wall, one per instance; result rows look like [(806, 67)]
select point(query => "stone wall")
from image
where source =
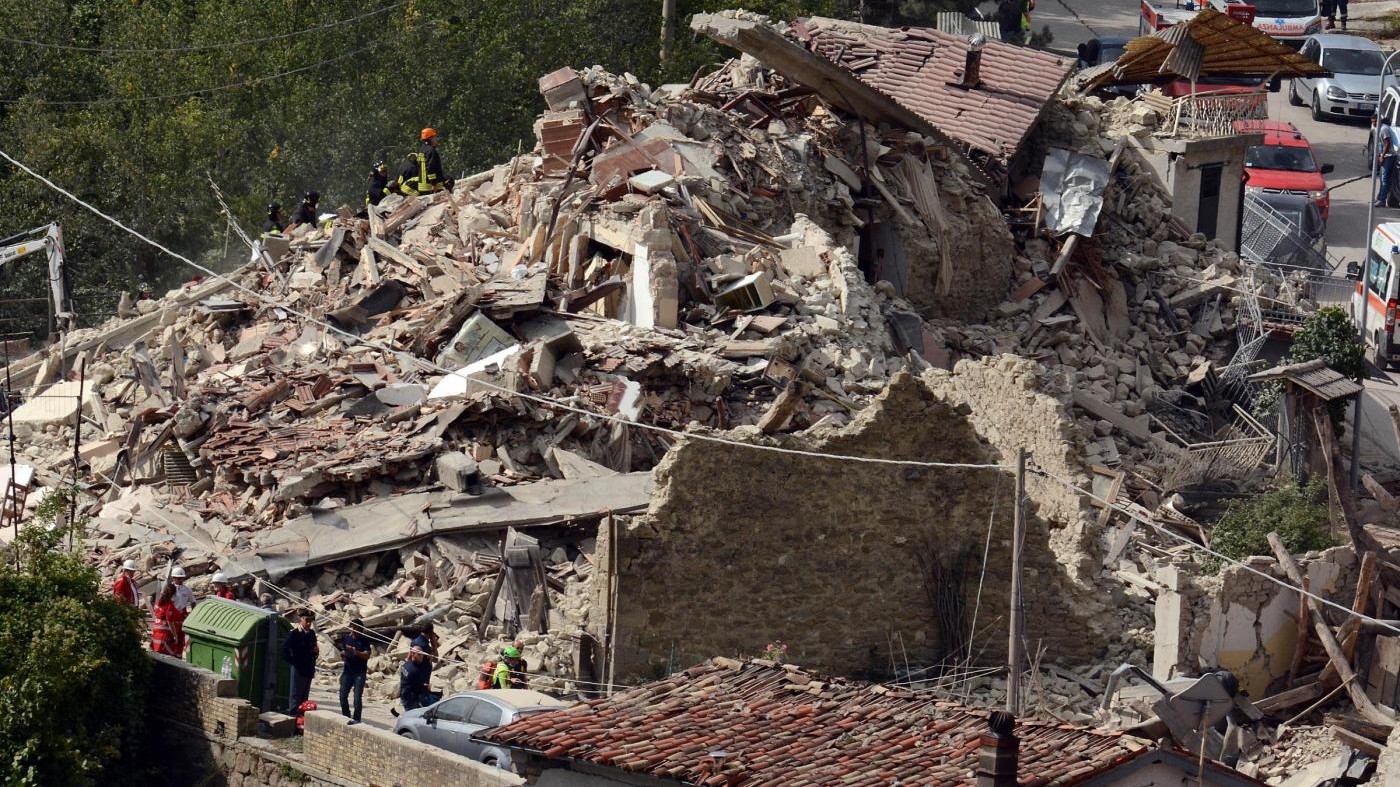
[(740, 548), (368, 755), (1241, 621), (202, 734), (199, 698)]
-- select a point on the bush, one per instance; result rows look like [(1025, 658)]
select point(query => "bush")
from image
[(1298, 514), (72, 672), (1329, 335)]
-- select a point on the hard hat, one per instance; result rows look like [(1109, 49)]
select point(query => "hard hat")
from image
[(177, 572), (510, 652), (273, 207), (380, 164), (128, 565), (220, 576), (312, 196), (427, 133)]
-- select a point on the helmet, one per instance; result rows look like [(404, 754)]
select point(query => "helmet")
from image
[(510, 652), (220, 576), (128, 565), (380, 164), (177, 572), (273, 207), (427, 133), (312, 196)]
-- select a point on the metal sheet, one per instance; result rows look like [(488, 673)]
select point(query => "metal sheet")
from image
[(1072, 185)]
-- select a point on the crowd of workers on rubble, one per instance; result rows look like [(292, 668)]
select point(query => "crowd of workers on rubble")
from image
[(175, 600), (420, 173)]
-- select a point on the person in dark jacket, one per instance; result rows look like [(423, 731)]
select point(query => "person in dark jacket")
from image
[(354, 648), (421, 172), (378, 183), (300, 650), (413, 680), (306, 211), (275, 223)]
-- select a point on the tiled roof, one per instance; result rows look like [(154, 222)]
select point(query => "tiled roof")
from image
[(782, 726), (916, 65)]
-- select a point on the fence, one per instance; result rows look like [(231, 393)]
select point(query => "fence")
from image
[(1238, 450), (1214, 114)]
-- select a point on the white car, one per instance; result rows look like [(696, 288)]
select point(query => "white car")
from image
[(1354, 88)]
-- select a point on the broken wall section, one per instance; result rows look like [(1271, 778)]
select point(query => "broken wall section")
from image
[(740, 548)]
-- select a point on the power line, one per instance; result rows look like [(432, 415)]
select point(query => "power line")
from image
[(202, 47), (426, 365), (201, 91)]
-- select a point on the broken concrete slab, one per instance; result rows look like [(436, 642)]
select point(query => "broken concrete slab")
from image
[(56, 404)]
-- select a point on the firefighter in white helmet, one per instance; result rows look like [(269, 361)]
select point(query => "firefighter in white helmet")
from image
[(221, 588)]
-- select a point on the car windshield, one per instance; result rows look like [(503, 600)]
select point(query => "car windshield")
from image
[(1263, 8), (1280, 157), (1353, 61)]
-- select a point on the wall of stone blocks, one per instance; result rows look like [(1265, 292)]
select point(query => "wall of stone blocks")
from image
[(198, 698), (741, 548), (366, 755)]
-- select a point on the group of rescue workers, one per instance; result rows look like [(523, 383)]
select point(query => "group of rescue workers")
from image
[(421, 173), (175, 600)]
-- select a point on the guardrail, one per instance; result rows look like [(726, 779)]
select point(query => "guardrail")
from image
[(1214, 114)]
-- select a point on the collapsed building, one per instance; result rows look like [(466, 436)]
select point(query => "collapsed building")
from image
[(591, 399)]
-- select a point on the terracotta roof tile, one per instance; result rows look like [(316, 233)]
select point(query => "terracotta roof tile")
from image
[(916, 65), (776, 732)]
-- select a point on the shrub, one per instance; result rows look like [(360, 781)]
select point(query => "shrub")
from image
[(1298, 514)]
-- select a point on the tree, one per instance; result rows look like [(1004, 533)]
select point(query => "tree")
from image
[(73, 673)]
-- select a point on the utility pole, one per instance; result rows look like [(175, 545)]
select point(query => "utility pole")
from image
[(1018, 536), (668, 29), (77, 447)]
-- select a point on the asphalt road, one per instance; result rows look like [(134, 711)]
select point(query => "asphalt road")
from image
[(1340, 143)]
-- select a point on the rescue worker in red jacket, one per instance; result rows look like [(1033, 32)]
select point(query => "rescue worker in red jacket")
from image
[(124, 589), (168, 629)]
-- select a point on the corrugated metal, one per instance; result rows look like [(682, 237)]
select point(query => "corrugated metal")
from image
[(1314, 376), (921, 69), (1228, 47), (954, 23)]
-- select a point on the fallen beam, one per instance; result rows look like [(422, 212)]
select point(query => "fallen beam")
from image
[(1363, 703)]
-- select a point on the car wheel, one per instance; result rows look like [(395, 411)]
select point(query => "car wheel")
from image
[(1316, 107), (492, 762), (1293, 93), (1379, 358), (408, 735)]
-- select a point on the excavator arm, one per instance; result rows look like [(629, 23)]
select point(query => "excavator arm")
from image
[(48, 239)]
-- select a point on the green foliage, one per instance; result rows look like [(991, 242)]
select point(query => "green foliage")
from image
[(267, 121), (1297, 514), (1330, 335), (290, 773), (72, 672)]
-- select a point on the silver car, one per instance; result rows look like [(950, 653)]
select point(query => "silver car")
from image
[(451, 722), (1351, 91)]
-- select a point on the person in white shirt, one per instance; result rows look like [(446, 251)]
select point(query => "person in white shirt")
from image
[(184, 596)]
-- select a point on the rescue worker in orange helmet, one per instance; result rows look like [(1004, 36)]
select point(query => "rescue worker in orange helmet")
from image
[(422, 172)]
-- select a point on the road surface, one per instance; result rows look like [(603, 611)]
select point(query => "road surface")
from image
[(1338, 143)]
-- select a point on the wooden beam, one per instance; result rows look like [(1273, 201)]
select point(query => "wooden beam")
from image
[(1361, 541), (1351, 629), (1363, 703), (1380, 493), (1358, 742), (1300, 647), (1288, 699)]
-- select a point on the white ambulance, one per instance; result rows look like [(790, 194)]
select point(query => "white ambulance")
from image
[(1376, 295), (1289, 22)]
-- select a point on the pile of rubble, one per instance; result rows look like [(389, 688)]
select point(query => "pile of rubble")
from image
[(693, 255)]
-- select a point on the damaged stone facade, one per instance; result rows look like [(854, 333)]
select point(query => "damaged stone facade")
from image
[(826, 556)]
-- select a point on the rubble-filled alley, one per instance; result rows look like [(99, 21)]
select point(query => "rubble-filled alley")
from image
[(744, 360)]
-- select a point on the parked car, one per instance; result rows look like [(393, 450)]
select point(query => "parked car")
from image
[(1102, 51), (1304, 245), (451, 722), (1352, 90), (1284, 163)]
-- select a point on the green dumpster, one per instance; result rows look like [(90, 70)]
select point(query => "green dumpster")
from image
[(242, 642)]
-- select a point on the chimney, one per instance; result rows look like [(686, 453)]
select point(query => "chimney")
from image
[(998, 751), (972, 69)]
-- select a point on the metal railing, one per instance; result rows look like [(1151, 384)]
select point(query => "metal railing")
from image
[(1238, 451), (1214, 114)]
